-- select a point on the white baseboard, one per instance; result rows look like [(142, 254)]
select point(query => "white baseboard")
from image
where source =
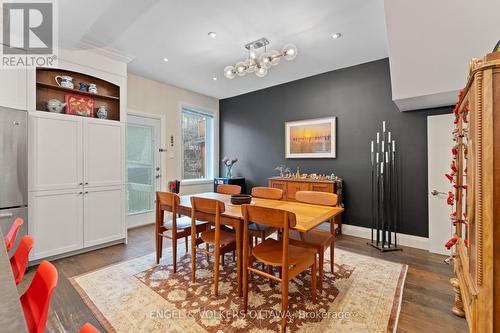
[(403, 239)]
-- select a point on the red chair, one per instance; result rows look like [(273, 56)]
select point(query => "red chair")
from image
[(36, 299), (88, 328), (19, 260), (10, 239)]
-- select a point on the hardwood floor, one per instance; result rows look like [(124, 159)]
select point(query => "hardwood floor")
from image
[(427, 296)]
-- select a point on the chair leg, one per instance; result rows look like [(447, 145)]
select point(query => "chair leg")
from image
[(193, 257), (157, 238), (245, 288), (186, 238), (332, 257), (207, 246), (222, 259), (216, 269), (314, 276), (270, 271), (321, 272), (284, 304), (160, 243), (174, 252), (234, 255)]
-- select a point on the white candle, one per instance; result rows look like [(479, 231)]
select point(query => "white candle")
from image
[(377, 157), (387, 157), (382, 167), (393, 145), (378, 137), (389, 137), (372, 146), (383, 146), (383, 126)]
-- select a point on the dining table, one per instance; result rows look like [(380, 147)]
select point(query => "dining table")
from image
[(308, 217), (11, 312)]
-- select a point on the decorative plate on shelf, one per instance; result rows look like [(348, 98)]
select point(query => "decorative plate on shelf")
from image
[(79, 105)]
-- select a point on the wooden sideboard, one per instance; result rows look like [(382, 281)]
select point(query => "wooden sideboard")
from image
[(477, 198)]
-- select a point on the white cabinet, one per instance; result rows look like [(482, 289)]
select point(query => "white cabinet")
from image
[(76, 182), (103, 215), (104, 152), (55, 152), (13, 87), (55, 222)]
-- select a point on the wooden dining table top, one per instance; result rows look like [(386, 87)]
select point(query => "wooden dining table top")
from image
[(307, 216)]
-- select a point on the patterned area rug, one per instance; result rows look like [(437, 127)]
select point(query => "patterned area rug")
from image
[(362, 295)]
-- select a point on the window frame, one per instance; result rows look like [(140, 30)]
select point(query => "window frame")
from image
[(211, 166)]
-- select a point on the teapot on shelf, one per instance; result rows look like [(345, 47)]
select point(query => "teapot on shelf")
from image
[(55, 105)]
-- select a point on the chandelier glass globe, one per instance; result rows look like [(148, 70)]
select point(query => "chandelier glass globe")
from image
[(289, 52), (265, 60), (250, 65), (241, 68), (275, 57), (229, 72), (261, 71)]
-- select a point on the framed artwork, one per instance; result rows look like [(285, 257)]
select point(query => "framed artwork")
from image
[(79, 105), (314, 138)]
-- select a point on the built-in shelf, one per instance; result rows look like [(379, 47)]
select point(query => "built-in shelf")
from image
[(75, 91), (47, 88)]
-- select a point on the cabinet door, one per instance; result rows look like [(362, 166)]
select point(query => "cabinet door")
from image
[(13, 88), (294, 187), (104, 215), (278, 184), (55, 151), (104, 152), (55, 222)]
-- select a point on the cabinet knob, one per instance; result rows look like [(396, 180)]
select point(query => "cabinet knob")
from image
[(86, 183), (80, 184), (86, 192), (80, 193)]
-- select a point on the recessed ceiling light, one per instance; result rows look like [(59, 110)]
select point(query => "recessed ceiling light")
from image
[(214, 78), (336, 35), (165, 59), (212, 34)]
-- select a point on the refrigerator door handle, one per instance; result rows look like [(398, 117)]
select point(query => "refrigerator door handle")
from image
[(5, 215)]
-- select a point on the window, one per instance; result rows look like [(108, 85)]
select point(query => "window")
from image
[(197, 144)]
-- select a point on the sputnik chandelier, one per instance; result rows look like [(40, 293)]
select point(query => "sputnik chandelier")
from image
[(260, 64)]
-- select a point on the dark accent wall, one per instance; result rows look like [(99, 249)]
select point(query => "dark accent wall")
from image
[(252, 128)]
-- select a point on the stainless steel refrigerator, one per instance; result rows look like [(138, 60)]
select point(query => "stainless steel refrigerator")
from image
[(13, 170)]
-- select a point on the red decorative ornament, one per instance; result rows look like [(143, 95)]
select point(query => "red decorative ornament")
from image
[(451, 242), (455, 110), (453, 167), (450, 178), (453, 215), (451, 198), (465, 118), (454, 152)]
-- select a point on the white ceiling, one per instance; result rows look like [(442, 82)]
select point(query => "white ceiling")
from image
[(149, 30), (431, 43)]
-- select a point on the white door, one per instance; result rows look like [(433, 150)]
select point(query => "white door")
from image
[(143, 168), (55, 152), (103, 215), (55, 222), (13, 88), (439, 145), (103, 152)]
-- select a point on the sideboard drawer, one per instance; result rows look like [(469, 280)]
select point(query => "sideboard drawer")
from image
[(319, 187), (294, 187)]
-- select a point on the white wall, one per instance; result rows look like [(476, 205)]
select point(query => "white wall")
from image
[(153, 97), (431, 43)]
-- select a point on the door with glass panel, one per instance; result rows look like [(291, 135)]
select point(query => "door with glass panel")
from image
[(144, 169)]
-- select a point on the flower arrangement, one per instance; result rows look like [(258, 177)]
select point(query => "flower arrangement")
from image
[(229, 162), (283, 170)]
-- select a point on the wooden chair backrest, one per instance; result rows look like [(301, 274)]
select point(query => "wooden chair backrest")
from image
[(228, 189), (317, 198), (271, 217), (205, 209), (267, 193), (167, 199)]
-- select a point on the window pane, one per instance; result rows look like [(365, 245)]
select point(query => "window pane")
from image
[(196, 143), (140, 166)]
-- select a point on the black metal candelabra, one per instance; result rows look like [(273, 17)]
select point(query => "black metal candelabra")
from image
[(384, 192)]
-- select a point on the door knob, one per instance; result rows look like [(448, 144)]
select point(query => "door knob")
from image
[(436, 192)]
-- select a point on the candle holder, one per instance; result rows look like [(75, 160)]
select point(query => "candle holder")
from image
[(385, 189)]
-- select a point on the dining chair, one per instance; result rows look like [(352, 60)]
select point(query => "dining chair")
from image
[(175, 228), (222, 238), (291, 260), (10, 238), (262, 231), (19, 260), (318, 239), (36, 300), (88, 328), (228, 189)]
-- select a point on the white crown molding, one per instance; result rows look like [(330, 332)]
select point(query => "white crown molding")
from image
[(104, 50)]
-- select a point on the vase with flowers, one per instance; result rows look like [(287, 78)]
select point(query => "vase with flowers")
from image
[(229, 162)]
